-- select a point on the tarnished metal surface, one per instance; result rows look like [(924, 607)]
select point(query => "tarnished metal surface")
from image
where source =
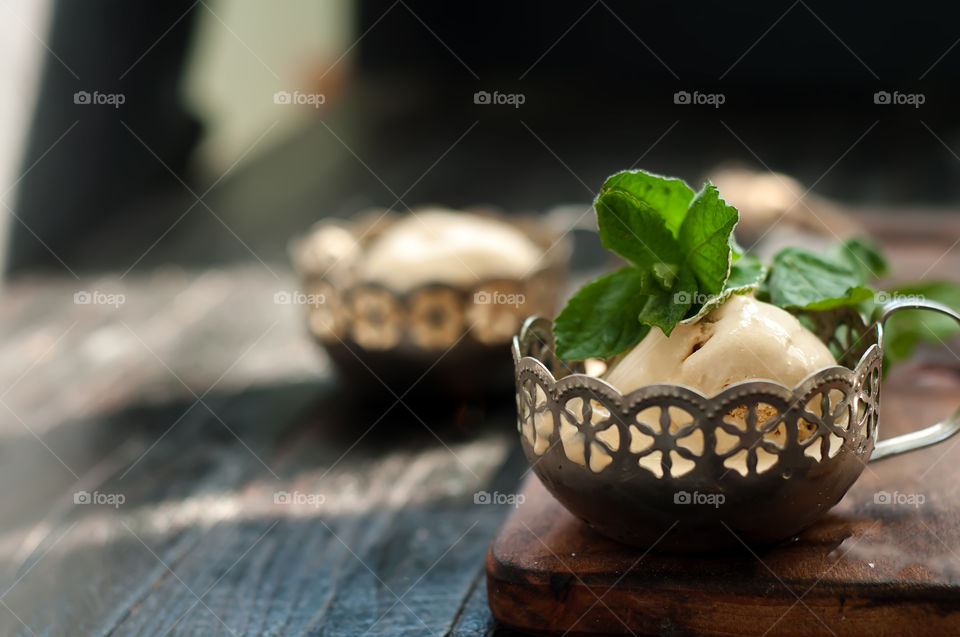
[(665, 464)]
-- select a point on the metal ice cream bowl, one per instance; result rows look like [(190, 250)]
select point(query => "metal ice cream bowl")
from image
[(435, 336), (665, 466)]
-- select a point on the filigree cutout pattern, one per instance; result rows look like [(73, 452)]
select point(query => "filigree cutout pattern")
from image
[(671, 431), (589, 432)]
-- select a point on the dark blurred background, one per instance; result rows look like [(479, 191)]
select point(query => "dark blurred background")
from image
[(157, 157), (114, 187)]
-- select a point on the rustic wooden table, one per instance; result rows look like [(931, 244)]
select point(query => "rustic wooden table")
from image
[(148, 450), (185, 462)]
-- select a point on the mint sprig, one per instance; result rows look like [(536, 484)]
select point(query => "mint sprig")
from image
[(684, 262), (679, 246)]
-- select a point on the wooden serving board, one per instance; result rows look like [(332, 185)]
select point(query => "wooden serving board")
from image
[(867, 568)]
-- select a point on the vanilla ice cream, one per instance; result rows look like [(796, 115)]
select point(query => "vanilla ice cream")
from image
[(742, 339), (444, 246)]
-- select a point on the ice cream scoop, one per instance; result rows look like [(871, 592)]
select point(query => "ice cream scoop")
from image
[(444, 246), (743, 339)]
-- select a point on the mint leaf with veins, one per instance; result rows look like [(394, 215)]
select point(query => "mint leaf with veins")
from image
[(601, 318), (705, 239), (637, 232), (805, 280), (612, 313), (668, 196)]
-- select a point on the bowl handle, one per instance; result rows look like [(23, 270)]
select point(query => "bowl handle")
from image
[(934, 433)]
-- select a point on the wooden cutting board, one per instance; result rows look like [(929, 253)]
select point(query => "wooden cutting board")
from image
[(867, 568)]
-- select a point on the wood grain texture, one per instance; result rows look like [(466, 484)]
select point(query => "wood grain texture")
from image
[(199, 546), (867, 568)]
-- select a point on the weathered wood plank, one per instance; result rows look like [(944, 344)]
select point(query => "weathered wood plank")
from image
[(200, 498), (119, 400), (397, 522)]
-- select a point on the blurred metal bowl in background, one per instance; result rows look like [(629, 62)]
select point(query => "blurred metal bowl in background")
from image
[(436, 336)]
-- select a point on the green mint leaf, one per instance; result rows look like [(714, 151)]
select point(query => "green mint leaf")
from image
[(861, 255), (635, 231), (705, 239), (802, 279), (666, 310), (665, 274), (905, 329), (746, 275), (668, 196), (601, 318)]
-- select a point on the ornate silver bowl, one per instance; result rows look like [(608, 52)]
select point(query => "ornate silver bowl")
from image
[(666, 466), (436, 335)]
